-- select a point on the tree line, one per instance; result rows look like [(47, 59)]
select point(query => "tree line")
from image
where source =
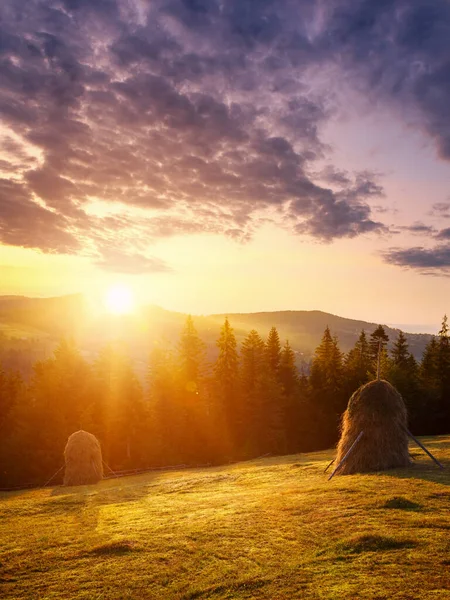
[(247, 403)]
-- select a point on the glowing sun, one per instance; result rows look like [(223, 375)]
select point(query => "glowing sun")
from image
[(119, 300)]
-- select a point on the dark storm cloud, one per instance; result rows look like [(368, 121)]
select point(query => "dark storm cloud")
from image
[(431, 261), (203, 113)]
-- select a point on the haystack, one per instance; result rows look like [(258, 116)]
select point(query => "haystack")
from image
[(378, 410), (83, 458)]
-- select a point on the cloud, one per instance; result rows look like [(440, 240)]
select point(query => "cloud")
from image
[(417, 228), (444, 234), (397, 52), (26, 223), (430, 261), (440, 210), (204, 115), (131, 264)]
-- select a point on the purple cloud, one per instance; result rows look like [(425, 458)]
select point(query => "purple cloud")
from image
[(202, 114)]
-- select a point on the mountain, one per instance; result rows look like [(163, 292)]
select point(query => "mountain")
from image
[(48, 319)]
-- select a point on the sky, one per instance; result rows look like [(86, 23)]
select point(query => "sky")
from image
[(229, 155)]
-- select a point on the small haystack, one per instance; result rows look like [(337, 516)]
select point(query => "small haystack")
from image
[(378, 410), (83, 458)]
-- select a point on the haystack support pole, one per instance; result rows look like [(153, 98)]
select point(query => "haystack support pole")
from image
[(379, 361), (329, 465), (440, 465), (346, 455)]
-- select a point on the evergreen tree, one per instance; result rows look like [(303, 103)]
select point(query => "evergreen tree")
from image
[(430, 387), (429, 370), (119, 401), (56, 405), (404, 376), (261, 422), (165, 421), (400, 352), (378, 345), (292, 399), (288, 372), (443, 365), (357, 365), (377, 338), (10, 387), (191, 351), (328, 394), (226, 390), (13, 463), (273, 349), (253, 361), (193, 402)]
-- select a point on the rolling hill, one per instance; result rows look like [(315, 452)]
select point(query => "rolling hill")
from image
[(272, 528), (51, 318)]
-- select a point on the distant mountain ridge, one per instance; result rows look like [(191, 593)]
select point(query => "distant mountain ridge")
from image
[(304, 329), (67, 316)]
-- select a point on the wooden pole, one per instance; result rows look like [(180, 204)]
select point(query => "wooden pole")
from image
[(379, 360), (346, 456), (329, 465), (440, 465)]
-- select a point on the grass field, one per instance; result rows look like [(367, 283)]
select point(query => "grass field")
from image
[(271, 528)]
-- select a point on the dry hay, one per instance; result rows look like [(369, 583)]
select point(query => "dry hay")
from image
[(83, 458), (378, 410)]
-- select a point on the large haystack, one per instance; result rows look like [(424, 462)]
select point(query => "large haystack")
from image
[(378, 410), (83, 458)]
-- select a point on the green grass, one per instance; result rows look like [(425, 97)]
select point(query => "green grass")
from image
[(267, 529)]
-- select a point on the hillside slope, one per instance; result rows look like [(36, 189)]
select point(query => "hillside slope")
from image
[(272, 528), (69, 316)]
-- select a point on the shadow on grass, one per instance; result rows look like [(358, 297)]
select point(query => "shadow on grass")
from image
[(114, 548), (247, 586), (400, 503), (423, 471), (372, 543)]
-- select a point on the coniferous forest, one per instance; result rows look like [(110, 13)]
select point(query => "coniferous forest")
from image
[(251, 401)]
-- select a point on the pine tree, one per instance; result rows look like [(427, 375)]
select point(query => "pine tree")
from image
[(13, 463), (57, 404), (429, 370), (378, 345), (327, 389), (430, 388), (326, 368), (292, 399), (400, 352), (252, 361), (191, 352), (357, 365), (377, 337), (261, 422), (119, 395), (273, 349), (288, 373), (444, 376), (404, 376), (192, 397), (226, 390), (164, 413)]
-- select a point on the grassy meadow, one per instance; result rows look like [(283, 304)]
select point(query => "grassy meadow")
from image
[(270, 528)]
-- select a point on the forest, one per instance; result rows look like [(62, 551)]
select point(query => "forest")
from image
[(251, 401)]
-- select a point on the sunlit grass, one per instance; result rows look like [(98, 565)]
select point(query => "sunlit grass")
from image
[(270, 528)]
